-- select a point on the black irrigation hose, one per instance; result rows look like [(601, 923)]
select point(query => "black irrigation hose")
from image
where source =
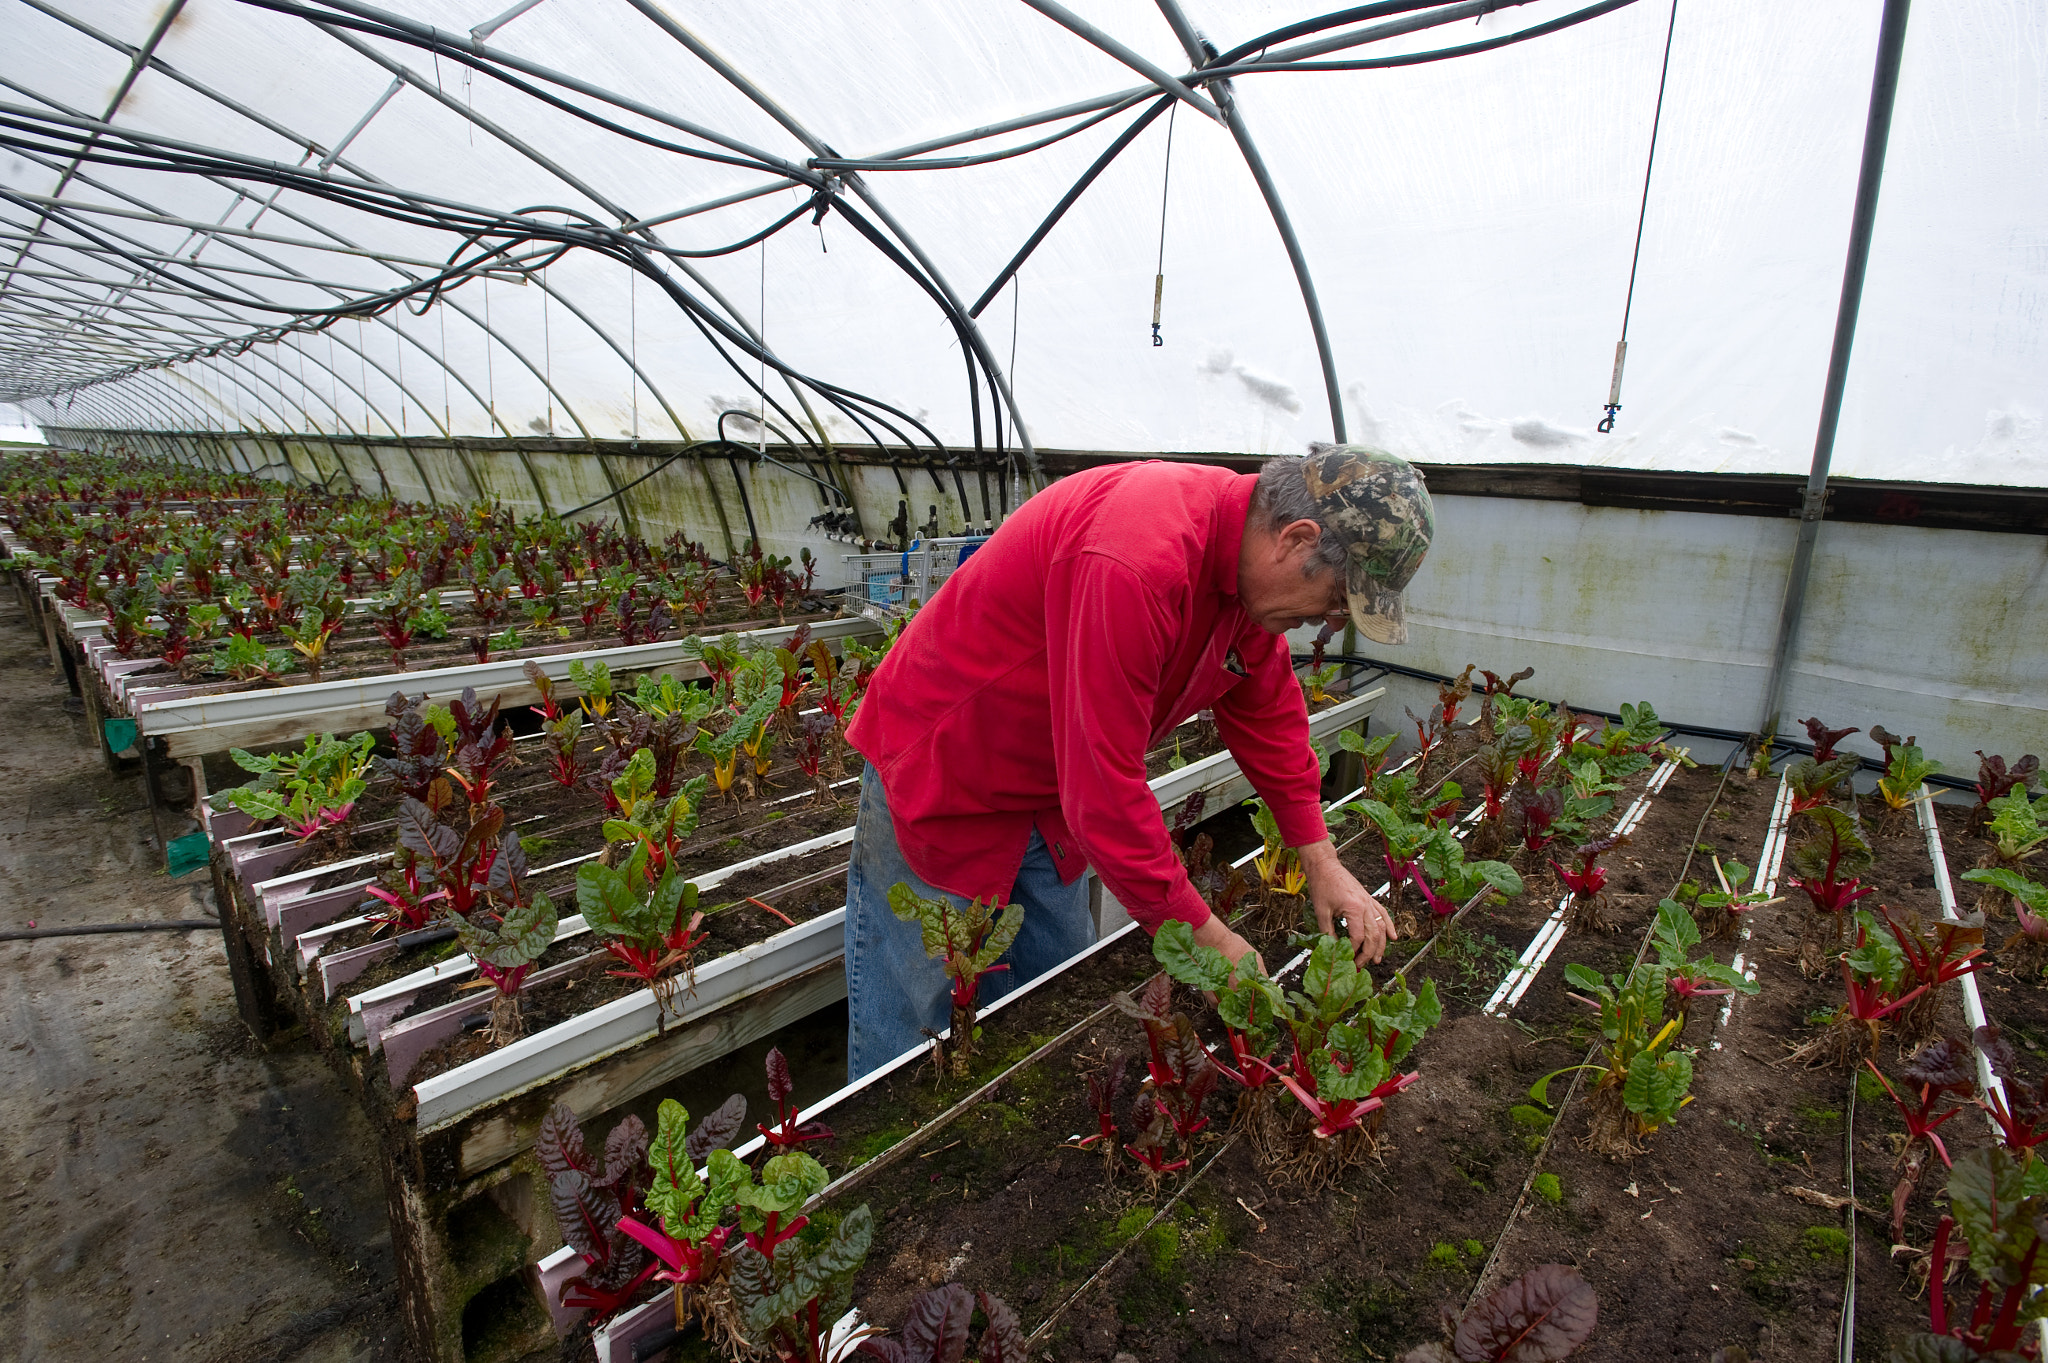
[(1781, 744), (97, 929)]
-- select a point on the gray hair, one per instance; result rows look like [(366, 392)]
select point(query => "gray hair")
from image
[(1282, 496)]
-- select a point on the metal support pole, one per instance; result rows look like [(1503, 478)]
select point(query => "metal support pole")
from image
[(1226, 99), (1884, 89)]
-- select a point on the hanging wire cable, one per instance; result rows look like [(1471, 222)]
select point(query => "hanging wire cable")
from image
[(1642, 213), (1165, 181)]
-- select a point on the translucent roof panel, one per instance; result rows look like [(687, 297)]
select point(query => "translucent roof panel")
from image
[(224, 214)]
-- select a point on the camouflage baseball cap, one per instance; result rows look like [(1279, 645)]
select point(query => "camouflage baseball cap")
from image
[(1377, 504)]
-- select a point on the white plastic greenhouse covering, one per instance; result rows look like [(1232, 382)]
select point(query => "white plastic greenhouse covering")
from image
[(1468, 224)]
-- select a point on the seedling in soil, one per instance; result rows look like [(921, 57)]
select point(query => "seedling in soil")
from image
[(1102, 1087), (1587, 880), (1540, 1317), (640, 917), (594, 681), (1825, 739), (1905, 769), (1815, 783), (591, 1195), (1457, 880), (1673, 937), (1496, 686), (1826, 867), (1724, 908), (504, 953), (1994, 779), (790, 1302), (1316, 681), (309, 791), (1372, 753), (1873, 977), (2017, 835), (243, 659), (310, 637), (968, 940), (1148, 1148), (937, 1330), (1934, 955), (419, 759), (1998, 1204), (2026, 947), (2022, 1115), (1180, 1073), (816, 733), (790, 1131), (686, 1234), (1938, 1072), (1644, 1078), (396, 617)]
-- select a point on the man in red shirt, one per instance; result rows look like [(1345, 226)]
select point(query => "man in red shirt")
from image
[(1006, 732)]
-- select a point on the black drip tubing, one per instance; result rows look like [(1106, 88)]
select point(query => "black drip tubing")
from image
[(1781, 744), (96, 929)]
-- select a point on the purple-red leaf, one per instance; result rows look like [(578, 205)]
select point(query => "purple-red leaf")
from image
[(716, 1131), (937, 1329), (559, 1146), (780, 1085), (1824, 738), (1540, 1317), (625, 1153), (1003, 1340)]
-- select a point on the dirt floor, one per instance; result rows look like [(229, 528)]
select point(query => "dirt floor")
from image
[(170, 1192)]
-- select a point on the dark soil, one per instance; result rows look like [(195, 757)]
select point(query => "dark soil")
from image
[(1699, 1241)]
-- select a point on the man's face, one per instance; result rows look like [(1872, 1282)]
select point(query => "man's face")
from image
[(1276, 594)]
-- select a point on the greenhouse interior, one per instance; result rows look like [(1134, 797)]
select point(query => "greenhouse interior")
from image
[(669, 653)]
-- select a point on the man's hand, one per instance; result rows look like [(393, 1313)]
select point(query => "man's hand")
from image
[(1337, 894), (1216, 933)]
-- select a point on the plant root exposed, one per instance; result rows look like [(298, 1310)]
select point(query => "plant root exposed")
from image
[(1613, 1128), (1842, 1044)]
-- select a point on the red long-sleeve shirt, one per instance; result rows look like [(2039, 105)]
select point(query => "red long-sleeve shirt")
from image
[(1027, 691)]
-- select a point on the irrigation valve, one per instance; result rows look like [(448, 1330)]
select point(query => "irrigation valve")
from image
[(1614, 389)]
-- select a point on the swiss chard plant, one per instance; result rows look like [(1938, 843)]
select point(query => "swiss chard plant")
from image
[(1586, 878), (1102, 1086), (243, 659), (1940, 1082), (937, 1329), (2021, 1112), (968, 940), (683, 1230), (1180, 1075), (310, 791), (2016, 828), (2026, 946), (590, 1193), (1995, 778), (790, 1131), (2000, 1205), (1934, 954), (1447, 880), (1906, 768), (1643, 1077), (647, 922), (1824, 739), (790, 1301), (1825, 867), (1815, 783), (1673, 937), (418, 758), (1725, 908), (1875, 984), (505, 951)]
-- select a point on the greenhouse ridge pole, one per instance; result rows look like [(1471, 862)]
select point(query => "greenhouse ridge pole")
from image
[(1884, 89)]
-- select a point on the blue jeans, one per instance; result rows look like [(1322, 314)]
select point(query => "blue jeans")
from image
[(896, 993)]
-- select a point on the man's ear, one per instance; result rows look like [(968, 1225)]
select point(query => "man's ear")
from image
[(1299, 537)]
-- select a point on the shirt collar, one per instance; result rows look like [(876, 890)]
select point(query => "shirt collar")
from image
[(1226, 543)]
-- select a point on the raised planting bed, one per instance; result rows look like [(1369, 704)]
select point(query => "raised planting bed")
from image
[(455, 1107), (1729, 1221)]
